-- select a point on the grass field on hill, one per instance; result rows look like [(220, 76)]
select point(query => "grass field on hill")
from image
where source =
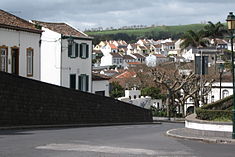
[(159, 32), (171, 29)]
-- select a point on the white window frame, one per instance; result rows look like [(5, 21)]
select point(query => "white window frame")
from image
[(3, 58), (29, 56)]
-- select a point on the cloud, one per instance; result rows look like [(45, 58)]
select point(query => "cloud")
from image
[(95, 13)]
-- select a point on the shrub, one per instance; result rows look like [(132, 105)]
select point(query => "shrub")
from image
[(213, 114)]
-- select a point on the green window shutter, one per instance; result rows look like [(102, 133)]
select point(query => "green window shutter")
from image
[(81, 45), (70, 48), (73, 81), (87, 50), (76, 49), (80, 82), (87, 83)]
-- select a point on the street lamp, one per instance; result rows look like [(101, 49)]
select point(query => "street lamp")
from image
[(221, 70), (231, 27)]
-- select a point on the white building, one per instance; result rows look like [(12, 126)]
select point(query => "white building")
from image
[(226, 90), (112, 59), (134, 97), (19, 46), (100, 84), (66, 55)]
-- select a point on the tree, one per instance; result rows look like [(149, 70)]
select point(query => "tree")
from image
[(153, 92), (117, 90), (194, 40), (214, 31)]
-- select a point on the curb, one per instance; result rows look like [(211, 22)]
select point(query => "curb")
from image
[(76, 125), (207, 140)]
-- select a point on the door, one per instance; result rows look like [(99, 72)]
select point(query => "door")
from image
[(15, 61)]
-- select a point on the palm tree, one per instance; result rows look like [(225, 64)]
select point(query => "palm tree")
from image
[(214, 31), (194, 40)]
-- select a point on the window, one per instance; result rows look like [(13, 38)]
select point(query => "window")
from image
[(114, 60), (212, 98), (83, 84), (72, 81), (225, 93), (29, 62), (73, 50), (84, 51), (3, 58)]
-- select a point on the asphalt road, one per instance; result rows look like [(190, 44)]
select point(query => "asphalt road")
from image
[(111, 141)]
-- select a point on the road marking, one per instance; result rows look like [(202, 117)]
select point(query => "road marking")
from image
[(108, 149)]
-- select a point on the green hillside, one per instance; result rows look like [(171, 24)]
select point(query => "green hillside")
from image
[(131, 35)]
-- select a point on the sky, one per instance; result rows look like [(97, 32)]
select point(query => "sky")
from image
[(86, 14)]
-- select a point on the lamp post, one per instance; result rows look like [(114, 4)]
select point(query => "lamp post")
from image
[(221, 70), (231, 27)]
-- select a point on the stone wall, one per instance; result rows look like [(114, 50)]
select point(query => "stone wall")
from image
[(29, 102)]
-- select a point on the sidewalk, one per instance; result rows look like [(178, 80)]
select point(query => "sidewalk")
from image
[(205, 136)]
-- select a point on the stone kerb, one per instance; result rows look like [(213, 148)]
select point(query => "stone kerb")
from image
[(193, 123)]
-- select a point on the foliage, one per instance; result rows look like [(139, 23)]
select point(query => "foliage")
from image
[(153, 92), (117, 90), (220, 104), (194, 39), (214, 31), (213, 114), (216, 111), (156, 33), (158, 112)]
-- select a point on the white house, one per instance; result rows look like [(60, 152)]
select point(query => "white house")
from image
[(226, 90), (19, 46), (112, 59), (100, 84), (66, 55), (134, 97)]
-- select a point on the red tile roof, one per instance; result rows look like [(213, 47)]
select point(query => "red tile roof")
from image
[(117, 55), (138, 55), (62, 28), (127, 57), (113, 46), (134, 63), (126, 74), (10, 21), (99, 77), (159, 55)]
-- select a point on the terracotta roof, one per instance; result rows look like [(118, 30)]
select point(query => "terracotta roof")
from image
[(133, 63), (170, 43), (62, 28), (126, 74), (10, 21), (99, 77), (116, 55), (97, 51), (158, 46), (221, 42), (142, 47), (113, 46), (127, 57), (159, 56), (138, 55)]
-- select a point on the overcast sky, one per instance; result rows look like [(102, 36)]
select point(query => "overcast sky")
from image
[(107, 13)]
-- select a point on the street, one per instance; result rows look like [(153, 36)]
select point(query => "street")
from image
[(109, 141)]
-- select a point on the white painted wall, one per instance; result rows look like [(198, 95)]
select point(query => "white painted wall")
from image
[(51, 57), (106, 60), (208, 126), (100, 85), (57, 66), (22, 40), (214, 95), (77, 65)]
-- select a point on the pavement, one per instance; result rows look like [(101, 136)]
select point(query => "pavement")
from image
[(204, 136)]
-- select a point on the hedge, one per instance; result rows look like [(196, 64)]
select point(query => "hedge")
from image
[(220, 104), (213, 114)]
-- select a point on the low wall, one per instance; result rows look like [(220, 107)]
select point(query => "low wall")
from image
[(193, 123), (29, 102)]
